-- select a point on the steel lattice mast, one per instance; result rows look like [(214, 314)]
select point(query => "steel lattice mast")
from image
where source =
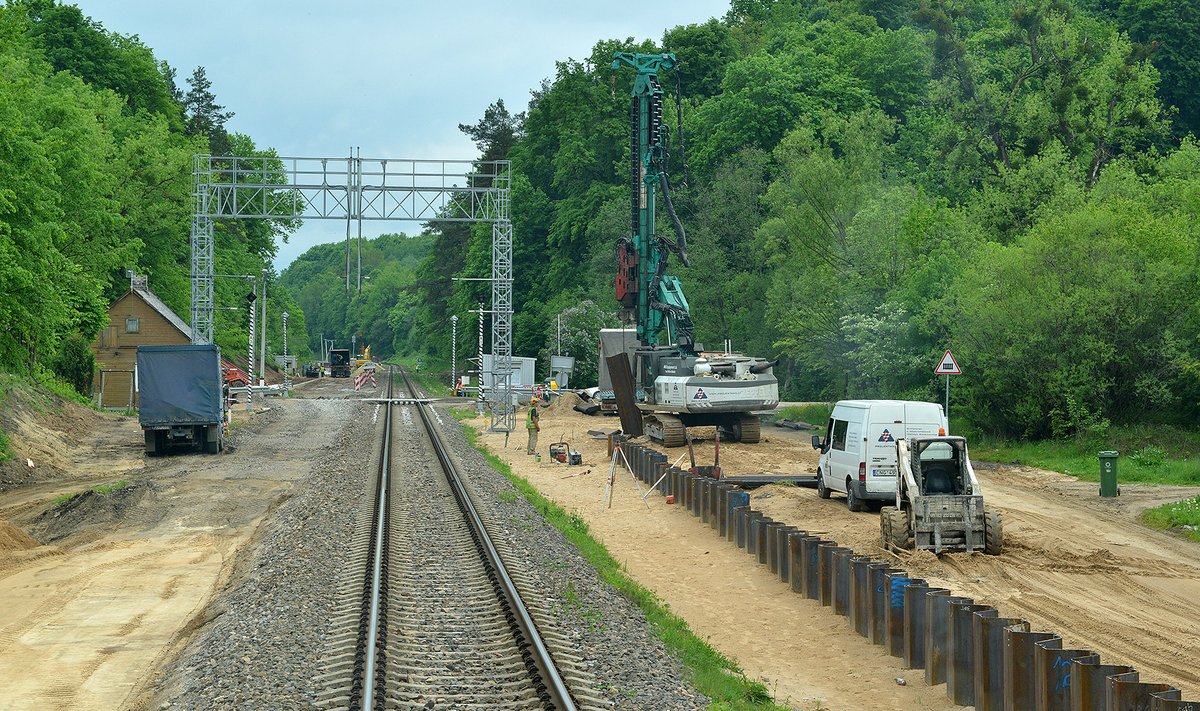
[(358, 189)]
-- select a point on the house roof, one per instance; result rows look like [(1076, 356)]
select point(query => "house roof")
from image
[(163, 310)]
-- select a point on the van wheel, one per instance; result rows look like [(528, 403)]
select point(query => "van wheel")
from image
[(853, 502), (822, 490)]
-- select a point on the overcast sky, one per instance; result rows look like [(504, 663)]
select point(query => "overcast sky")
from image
[(313, 78)]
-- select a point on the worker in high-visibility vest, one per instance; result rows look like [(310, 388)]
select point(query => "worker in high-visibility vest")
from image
[(531, 423)]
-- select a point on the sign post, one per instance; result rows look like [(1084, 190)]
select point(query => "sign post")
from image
[(947, 366)]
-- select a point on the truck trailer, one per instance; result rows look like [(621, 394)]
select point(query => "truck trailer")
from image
[(181, 403)]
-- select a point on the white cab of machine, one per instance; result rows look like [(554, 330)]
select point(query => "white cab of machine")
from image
[(858, 453)]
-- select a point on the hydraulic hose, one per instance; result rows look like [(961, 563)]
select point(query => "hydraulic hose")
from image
[(680, 246)]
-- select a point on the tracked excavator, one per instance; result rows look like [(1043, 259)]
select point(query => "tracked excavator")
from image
[(677, 383)]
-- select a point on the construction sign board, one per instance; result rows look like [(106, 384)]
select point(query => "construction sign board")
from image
[(948, 366)]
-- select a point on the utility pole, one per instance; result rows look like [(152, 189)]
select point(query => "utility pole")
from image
[(454, 352), (479, 372), (287, 383), (262, 354), (250, 298)]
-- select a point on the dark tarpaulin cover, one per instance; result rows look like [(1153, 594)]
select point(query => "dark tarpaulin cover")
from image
[(179, 385)]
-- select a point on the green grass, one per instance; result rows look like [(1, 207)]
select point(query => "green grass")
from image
[(1182, 516), (1149, 455), (5, 447), (66, 392), (99, 489), (712, 673), (814, 414)]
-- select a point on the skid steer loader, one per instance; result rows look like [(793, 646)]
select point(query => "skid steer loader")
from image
[(939, 504)]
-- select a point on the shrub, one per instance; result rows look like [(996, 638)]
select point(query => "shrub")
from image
[(75, 363), (1150, 456)]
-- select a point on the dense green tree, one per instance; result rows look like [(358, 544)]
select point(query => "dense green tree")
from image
[(1169, 30), (496, 133), (204, 116), (1060, 327), (95, 179), (74, 43), (705, 51)]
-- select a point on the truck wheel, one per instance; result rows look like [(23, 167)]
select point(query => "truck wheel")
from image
[(898, 528), (853, 502), (822, 490), (152, 448), (993, 531)]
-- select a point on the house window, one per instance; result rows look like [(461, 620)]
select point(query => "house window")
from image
[(133, 325)]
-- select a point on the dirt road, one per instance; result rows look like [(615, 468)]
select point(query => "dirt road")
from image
[(123, 578), (1074, 564)]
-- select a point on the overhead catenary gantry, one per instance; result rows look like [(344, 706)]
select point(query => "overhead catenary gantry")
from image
[(353, 189)]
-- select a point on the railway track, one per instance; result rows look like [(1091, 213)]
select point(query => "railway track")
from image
[(429, 616)]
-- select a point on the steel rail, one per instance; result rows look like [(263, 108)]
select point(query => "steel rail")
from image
[(552, 681), (370, 658)]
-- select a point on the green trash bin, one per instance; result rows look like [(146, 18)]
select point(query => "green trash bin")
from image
[(1108, 474)]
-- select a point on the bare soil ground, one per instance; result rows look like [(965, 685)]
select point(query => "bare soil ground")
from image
[(101, 591), (1074, 564)]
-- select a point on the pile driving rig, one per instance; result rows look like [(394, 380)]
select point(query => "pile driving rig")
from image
[(677, 384)]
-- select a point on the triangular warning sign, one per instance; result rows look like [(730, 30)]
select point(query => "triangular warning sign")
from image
[(947, 366)]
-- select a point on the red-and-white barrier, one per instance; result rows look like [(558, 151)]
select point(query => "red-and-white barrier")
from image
[(363, 377)]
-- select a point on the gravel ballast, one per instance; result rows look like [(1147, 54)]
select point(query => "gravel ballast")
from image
[(260, 642)]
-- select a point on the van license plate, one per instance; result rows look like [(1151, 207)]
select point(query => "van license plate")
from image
[(885, 471)]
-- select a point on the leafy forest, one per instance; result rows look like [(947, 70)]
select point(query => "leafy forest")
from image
[(865, 183), (96, 145)]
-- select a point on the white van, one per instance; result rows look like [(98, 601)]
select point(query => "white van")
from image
[(858, 454)]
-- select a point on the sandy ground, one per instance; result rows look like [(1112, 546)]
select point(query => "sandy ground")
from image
[(100, 593), (119, 581), (1073, 564)]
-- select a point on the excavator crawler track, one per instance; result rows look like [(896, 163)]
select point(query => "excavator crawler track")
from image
[(749, 429), (667, 429), (742, 428)]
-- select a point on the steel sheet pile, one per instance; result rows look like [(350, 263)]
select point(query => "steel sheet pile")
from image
[(987, 661)]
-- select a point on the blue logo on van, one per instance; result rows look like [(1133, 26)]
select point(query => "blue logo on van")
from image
[(699, 394), (886, 437)]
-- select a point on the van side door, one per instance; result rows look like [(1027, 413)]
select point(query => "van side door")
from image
[(841, 450)]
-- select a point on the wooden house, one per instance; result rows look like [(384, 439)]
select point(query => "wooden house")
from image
[(137, 318)]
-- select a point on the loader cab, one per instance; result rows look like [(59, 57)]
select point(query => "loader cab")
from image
[(938, 465)]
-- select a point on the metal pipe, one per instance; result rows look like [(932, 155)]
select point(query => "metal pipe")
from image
[(262, 357)]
